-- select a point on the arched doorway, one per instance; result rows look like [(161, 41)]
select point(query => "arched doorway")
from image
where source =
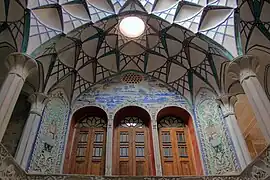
[(179, 151), (132, 150), (87, 140)]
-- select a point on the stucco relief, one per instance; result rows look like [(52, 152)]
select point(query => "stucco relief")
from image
[(9, 169), (49, 146), (218, 152)]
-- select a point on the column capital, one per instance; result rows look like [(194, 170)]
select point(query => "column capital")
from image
[(20, 64), (38, 102), (226, 103), (154, 124), (110, 124), (243, 67)]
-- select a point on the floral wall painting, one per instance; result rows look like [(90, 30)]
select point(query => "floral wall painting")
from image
[(219, 156), (49, 146)]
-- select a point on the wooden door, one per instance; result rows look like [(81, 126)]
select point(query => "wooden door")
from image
[(176, 152), (131, 147), (88, 155), (141, 152)]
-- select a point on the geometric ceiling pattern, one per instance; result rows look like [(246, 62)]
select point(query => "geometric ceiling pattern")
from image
[(12, 24), (183, 43), (213, 18), (97, 51), (254, 24), (254, 32)]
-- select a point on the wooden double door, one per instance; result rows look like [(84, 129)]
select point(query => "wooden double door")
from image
[(131, 152), (88, 154), (176, 151)]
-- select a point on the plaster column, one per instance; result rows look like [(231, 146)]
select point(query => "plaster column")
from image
[(244, 69), (109, 149), (38, 102), (156, 148), (227, 103), (19, 66)]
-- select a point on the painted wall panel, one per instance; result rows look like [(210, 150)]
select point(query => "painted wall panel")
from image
[(49, 145), (217, 150)]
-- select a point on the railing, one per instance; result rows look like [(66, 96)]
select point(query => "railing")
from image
[(9, 169), (259, 169)]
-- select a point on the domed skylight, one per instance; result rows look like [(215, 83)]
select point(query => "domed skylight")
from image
[(132, 26)]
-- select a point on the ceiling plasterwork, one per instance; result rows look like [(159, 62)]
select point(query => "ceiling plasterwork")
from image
[(98, 51), (254, 24), (213, 18), (25, 25), (82, 43)]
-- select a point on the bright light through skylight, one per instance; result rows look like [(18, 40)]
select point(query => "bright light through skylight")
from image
[(132, 26)]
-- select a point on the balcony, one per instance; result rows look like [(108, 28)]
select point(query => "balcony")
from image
[(259, 169)]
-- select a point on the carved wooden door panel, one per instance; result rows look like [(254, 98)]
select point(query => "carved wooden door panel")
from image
[(131, 152), (140, 152), (176, 152), (123, 151), (80, 151), (88, 153), (97, 152)]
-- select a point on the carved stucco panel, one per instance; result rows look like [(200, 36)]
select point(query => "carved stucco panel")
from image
[(216, 146), (49, 146)]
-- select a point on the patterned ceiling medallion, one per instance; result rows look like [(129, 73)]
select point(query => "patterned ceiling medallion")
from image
[(132, 78), (133, 45)]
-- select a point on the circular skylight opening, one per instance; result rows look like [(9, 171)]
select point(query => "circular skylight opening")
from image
[(132, 26)]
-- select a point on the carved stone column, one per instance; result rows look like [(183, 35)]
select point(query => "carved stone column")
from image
[(20, 66), (244, 69), (156, 148), (109, 149), (38, 102), (227, 103)]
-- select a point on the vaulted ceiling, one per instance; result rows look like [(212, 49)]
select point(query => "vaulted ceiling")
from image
[(78, 43), (167, 52)]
